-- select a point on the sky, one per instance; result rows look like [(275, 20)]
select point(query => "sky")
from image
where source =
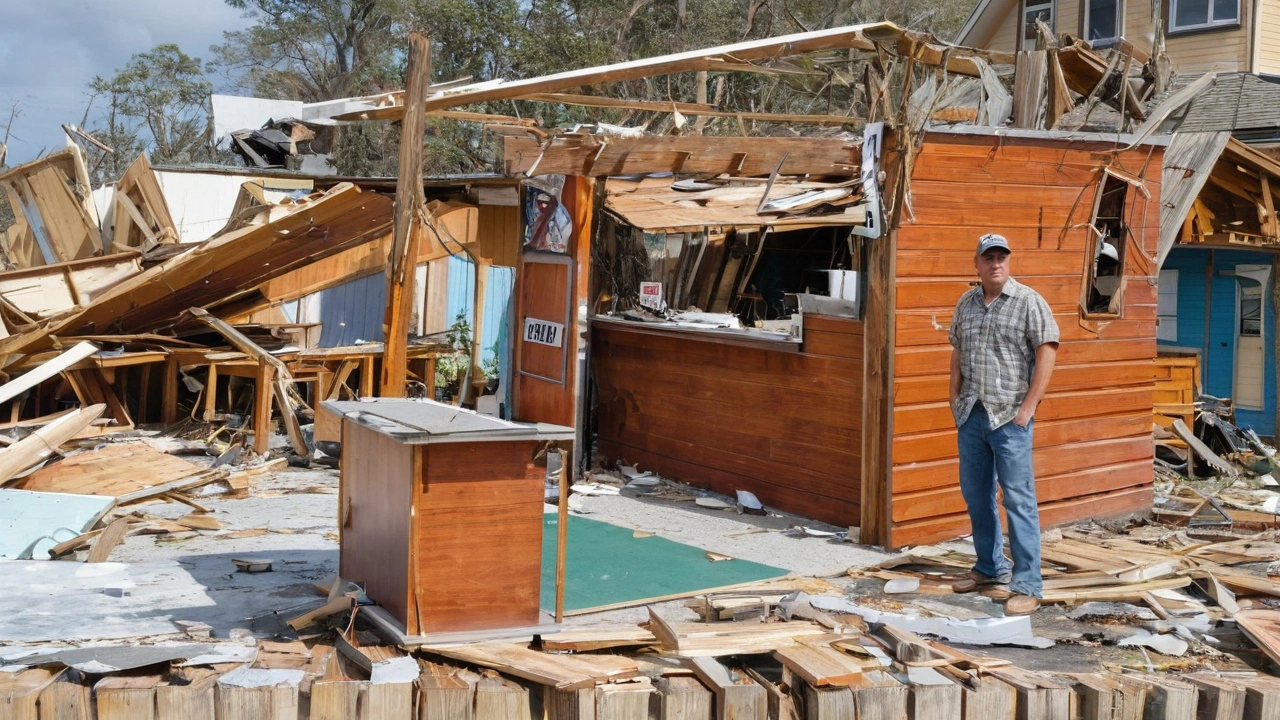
[(51, 49)]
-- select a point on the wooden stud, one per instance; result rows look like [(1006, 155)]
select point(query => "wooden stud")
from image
[(262, 390), (683, 698), (477, 331), (367, 387), (1167, 699), (1039, 696), (445, 695), (992, 699), (933, 696), (737, 698), (169, 398), (623, 701), (407, 228), (1262, 698), (501, 699), (127, 697), (20, 692), (66, 700), (211, 394), (187, 696), (1102, 696), (1218, 698), (335, 699), (267, 702)]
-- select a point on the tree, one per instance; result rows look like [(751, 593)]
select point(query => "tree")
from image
[(312, 50), (158, 102)]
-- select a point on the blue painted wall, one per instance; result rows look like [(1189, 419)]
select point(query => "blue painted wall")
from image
[(352, 312), (1218, 366), (497, 301)]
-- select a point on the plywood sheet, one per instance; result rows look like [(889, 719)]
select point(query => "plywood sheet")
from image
[(113, 470)]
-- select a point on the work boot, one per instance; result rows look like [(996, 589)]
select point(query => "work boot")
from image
[(1021, 605), (980, 580)]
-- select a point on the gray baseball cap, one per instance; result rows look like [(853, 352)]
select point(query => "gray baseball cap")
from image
[(992, 241)]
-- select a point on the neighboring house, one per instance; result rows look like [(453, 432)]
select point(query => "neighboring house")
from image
[(1200, 35)]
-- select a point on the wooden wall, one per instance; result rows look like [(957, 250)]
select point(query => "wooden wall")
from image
[(1093, 450), (783, 425)]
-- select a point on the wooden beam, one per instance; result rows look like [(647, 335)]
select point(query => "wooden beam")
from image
[(601, 101), (407, 228), (857, 37)]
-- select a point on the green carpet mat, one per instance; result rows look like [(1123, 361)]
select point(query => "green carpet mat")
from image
[(607, 565)]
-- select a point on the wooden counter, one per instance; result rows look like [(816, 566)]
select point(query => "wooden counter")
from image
[(441, 513), (726, 416)]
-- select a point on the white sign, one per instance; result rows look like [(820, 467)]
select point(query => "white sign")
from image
[(651, 295), (543, 332)]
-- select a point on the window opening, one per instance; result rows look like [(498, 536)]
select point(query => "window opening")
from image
[(1032, 11), (1102, 22), (1105, 269), (1197, 14)]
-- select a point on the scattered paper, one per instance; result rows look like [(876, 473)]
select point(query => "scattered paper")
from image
[(396, 670), (902, 585), (593, 489), (713, 503), (1171, 645), (982, 631)]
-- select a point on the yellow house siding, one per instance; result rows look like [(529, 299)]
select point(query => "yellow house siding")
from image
[(1269, 38), (1219, 51), (1006, 38), (1137, 23)]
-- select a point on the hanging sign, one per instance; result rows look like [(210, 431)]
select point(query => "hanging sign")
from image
[(543, 332)]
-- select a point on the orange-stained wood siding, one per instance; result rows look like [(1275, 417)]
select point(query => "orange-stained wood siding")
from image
[(786, 426), (1093, 451)]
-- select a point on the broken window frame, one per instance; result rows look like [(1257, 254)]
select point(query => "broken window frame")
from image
[(1029, 31), (1212, 23), (1109, 227), (1103, 42)]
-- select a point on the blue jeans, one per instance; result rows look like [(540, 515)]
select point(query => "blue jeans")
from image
[(1004, 455)]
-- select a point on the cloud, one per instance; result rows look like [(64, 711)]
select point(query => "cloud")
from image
[(51, 49)]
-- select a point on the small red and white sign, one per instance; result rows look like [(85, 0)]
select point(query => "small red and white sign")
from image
[(651, 295), (543, 332)]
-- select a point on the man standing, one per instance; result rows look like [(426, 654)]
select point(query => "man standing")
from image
[(1004, 341)]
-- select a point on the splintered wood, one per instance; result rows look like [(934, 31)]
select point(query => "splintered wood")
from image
[(116, 470)]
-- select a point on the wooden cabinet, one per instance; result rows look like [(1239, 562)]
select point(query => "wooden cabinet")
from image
[(440, 513)]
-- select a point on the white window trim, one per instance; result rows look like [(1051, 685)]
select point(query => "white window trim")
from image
[(1027, 7), (1105, 42), (1171, 326), (1173, 15)]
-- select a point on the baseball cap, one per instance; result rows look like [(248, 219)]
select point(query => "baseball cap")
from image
[(991, 241)]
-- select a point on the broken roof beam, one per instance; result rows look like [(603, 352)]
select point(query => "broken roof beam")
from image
[(855, 37), (691, 109), (699, 155)]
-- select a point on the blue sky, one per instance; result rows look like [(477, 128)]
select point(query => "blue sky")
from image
[(51, 49)]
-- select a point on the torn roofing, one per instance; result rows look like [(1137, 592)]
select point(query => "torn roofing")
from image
[(1236, 101), (1186, 166)]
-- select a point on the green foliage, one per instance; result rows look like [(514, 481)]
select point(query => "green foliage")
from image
[(450, 369), (159, 101)]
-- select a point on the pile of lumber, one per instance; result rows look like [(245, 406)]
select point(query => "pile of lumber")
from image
[(748, 670)]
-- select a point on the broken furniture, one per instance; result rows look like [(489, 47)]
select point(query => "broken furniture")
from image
[(441, 513)]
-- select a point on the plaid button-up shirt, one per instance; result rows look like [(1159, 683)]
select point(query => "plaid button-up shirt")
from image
[(997, 345)]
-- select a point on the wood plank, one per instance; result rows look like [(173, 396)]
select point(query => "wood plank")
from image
[(20, 692), (501, 699), (445, 694), (819, 666), (114, 469), (42, 443), (66, 700), (683, 698), (563, 672), (1262, 698), (1263, 628), (127, 697), (737, 696), (407, 227), (1218, 698), (188, 695), (1102, 696), (46, 370)]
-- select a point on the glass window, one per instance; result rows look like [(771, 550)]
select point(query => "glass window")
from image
[(1191, 14), (1102, 21), (1035, 10), (1250, 315)]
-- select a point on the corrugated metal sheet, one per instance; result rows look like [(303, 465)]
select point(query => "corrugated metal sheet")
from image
[(352, 312), (497, 300), (1187, 162)]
